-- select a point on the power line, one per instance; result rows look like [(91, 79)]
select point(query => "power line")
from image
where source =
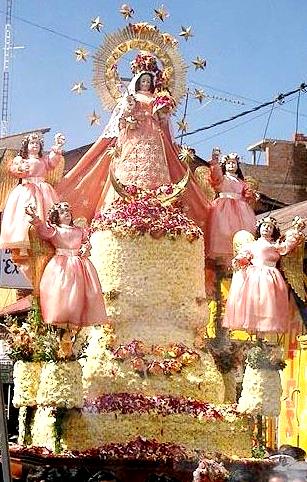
[(233, 127), (249, 99), (280, 98), (51, 30)]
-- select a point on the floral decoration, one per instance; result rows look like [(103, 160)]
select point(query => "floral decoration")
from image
[(266, 356), (163, 102), (165, 405), (176, 356), (145, 213)]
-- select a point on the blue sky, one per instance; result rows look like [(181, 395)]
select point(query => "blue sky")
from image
[(254, 51)]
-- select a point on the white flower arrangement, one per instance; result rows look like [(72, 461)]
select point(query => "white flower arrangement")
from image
[(82, 431), (61, 385), (261, 392), (159, 282), (26, 383)]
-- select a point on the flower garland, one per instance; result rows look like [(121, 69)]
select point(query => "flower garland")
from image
[(177, 357), (128, 403), (138, 449), (144, 213)]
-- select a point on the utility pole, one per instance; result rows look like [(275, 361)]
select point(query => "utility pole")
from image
[(6, 68)]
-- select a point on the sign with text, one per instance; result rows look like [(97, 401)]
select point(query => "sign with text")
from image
[(10, 274)]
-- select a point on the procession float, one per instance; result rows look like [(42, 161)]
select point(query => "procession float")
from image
[(126, 361)]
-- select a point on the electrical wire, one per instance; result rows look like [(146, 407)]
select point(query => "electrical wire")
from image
[(279, 98), (51, 30)]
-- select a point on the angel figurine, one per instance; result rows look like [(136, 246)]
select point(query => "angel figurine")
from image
[(31, 166), (258, 299), (70, 292), (231, 210)]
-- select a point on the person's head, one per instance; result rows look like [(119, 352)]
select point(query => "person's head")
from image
[(231, 164), (241, 475), (60, 213), (267, 228), (145, 83), (278, 477), (31, 144)]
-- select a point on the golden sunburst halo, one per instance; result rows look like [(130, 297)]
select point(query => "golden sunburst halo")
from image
[(140, 36)]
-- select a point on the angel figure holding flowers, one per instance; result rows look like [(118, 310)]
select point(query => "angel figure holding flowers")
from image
[(258, 299)]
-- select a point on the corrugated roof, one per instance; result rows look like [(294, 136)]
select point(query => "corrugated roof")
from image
[(285, 215), (22, 305)]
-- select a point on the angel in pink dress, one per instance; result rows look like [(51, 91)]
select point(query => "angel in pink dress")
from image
[(31, 166), (70, 292), (258, 299), (230, 211)]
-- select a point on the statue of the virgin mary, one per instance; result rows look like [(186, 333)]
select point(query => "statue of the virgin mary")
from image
[(138, 142)]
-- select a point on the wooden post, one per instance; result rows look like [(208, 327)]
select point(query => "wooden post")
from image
[(4, 443)]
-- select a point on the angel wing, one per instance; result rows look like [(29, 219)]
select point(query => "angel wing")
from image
[(41, 253), (201, 175), (55, 175), (292, 266), (240, 240), (7, 181), (253, 187)]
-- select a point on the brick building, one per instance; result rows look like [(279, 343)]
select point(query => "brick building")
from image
[(283, 176)]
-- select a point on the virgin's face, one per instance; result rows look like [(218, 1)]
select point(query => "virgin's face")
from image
[(33, 147), (145, 83), (231, 165), (266, 230), (65, 215)]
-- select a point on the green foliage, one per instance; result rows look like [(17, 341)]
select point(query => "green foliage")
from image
[(259, 451), (59, 414)]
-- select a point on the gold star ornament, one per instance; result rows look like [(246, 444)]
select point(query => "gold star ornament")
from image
[(94, 119), (187, 154), (182, 125), (81, 54), (126, 11), (186, 32), (199, 63), (199, 94), (78, 88), (96, 24), (161, 13)]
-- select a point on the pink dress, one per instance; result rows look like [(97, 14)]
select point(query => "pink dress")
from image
[(142, 161), (258, 296), (32, 190), (70, 291), (229, 213)]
